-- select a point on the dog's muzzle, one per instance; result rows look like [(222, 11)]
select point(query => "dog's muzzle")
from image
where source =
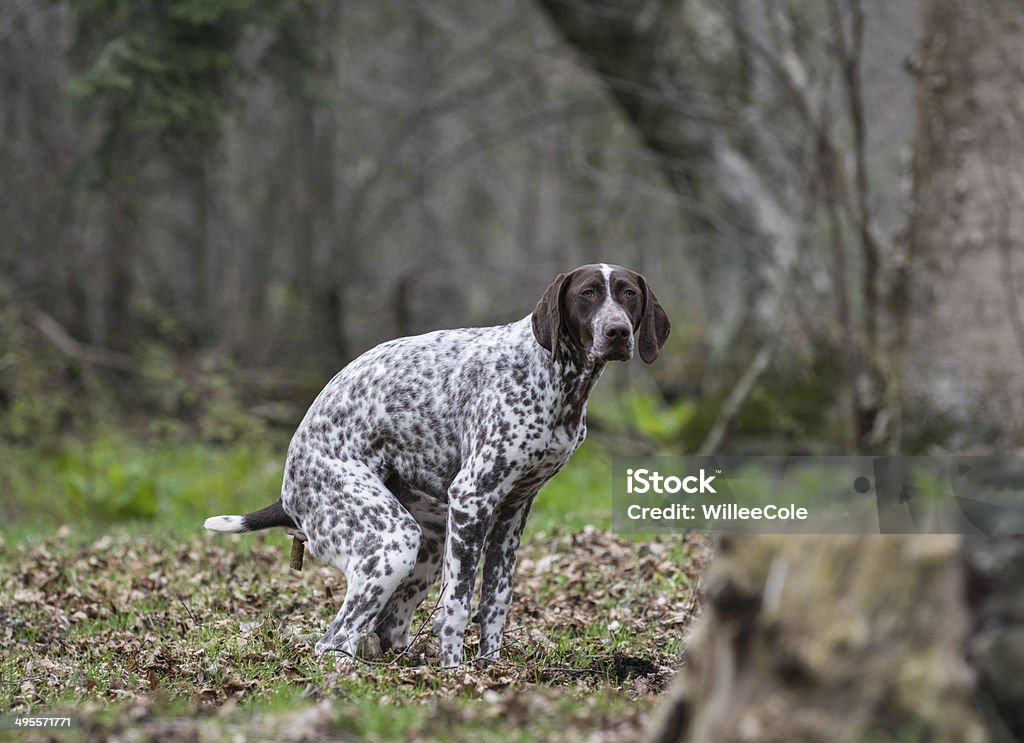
[(615, 342)]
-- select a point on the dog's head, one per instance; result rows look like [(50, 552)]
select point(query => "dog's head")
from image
[(604, 311)]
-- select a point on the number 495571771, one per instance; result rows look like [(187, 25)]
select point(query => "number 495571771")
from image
[(34, 721)]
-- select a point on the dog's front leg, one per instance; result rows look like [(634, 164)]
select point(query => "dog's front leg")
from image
[(469, 516), (499, 569)]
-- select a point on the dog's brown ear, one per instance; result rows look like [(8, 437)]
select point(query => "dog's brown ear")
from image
[(547, 315), (654, 324)]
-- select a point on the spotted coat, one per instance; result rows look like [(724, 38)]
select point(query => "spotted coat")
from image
[(424, 455)]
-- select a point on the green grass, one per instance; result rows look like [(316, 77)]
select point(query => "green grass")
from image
[(106, 475), (110, 478)]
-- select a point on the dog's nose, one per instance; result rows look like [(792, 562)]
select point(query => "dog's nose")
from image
[(617, 332)]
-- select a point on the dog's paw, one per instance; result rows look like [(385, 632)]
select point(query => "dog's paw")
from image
[(323, 646), (366, 647)]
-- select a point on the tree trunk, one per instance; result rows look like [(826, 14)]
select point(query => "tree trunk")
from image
[(829, 638), (635, 47), (966, 329), (626, 45)]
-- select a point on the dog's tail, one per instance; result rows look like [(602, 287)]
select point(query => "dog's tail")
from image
[(265, 518)]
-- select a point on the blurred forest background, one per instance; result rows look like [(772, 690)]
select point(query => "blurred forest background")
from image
[(212, 205)]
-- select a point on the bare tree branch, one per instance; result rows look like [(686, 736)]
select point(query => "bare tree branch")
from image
[(739, 395), (62, 340)]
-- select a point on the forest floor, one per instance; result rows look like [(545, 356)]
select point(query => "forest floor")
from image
[(143, 635)]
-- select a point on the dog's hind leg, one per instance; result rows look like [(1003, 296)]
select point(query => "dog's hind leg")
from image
[(431, 514), (352, 521)]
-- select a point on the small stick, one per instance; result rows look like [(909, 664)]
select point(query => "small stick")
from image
[(298, 550)]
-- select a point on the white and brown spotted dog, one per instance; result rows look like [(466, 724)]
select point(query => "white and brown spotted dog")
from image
[(426, 453)]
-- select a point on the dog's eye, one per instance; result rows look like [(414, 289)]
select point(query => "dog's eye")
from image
[(628, 293), (588, 293)]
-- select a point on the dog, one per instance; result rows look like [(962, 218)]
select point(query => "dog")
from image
[(424, 455)]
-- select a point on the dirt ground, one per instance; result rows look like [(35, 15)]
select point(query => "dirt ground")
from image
[(150, 637)]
